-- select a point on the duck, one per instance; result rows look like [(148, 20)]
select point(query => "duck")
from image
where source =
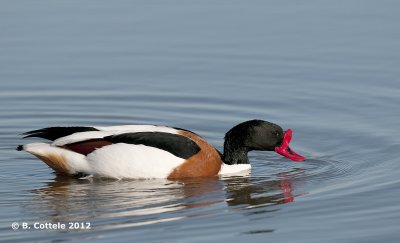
[(154, 151)]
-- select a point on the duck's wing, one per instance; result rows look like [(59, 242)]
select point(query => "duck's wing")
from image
[(175, 144), (101, 132), (53, 133), (84, 140), (65, 135)]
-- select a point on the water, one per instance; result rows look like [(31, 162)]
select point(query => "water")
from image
[(326, 69)]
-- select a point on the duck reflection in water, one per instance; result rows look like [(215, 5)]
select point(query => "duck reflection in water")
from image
[(151, 201), (258, 191)]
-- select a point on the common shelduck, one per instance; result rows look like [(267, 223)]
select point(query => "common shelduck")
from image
[(150, 151)]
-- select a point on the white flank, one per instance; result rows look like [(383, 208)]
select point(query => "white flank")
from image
[(239, 169), (108, 131), (132, 161)]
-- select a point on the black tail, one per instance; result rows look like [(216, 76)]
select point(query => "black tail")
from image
[(52, 133)]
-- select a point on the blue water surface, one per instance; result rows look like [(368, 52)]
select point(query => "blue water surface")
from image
[(329, 70)]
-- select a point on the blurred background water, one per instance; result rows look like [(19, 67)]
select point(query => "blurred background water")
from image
[(327, 69)]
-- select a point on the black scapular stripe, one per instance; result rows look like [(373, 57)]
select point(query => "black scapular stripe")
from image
[(177, 145), (53, 133)]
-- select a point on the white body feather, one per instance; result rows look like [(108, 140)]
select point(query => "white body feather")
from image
[(132, 161), (238, 169)]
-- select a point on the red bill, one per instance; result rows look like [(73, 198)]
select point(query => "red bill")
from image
[(286, 151)]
